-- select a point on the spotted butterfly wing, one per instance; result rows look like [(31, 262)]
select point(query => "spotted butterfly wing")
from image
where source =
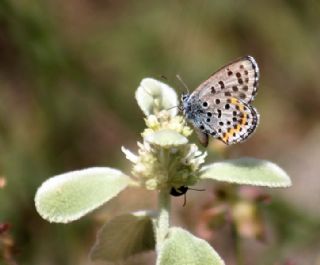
[(230, 120), (220, 106), (238, 79)]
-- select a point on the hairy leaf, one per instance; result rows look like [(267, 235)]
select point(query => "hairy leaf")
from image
[(247, 171), (124, 236), (182, 248), (153, 96), (69, 196), (166, 138)]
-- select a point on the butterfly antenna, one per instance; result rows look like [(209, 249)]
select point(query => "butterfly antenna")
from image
[(164, 77), (183, 83), (173, 107)]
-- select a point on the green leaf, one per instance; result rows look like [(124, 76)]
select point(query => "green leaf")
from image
[(124, 236), (183, 248), (247, 171), (166, 138), (153, 96), (69, 196)]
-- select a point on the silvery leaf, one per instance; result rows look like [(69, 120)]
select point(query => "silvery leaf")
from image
[(124, 236), (182, 248), (166, 138), (247, 171), (153, 96), (69, 196)]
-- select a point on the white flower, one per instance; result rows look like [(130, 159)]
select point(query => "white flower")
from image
[(129, 155), (158, 167)]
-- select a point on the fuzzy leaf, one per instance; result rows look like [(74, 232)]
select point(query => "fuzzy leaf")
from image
[(183, 248), (69, 196), (153, 96), (247, 171), (124, 236), (166, 138)]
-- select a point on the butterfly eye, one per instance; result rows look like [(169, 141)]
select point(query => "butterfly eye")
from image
[(184, 97)]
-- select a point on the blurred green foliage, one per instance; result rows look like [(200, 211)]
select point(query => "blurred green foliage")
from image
[(68, 72)]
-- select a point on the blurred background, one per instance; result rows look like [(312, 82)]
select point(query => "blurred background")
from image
[(68, 73)]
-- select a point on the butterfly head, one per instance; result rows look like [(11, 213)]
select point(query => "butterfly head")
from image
[(184, 97), (184, 101)]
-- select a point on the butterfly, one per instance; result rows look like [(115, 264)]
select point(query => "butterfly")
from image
[(221, 106)]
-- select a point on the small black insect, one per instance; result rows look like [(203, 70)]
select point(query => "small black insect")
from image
[(182, 191), (179, 191)]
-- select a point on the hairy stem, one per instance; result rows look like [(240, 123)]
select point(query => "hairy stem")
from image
[(237, 247), (162, 223)]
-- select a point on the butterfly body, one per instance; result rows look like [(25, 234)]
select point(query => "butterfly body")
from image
[(220, 107)]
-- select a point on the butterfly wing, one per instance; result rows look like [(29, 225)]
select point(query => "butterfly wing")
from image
[(238, 79), (231, 120), (220, 106)]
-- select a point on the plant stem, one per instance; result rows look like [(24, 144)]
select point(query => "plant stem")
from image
[(237, 246), (162, 225)]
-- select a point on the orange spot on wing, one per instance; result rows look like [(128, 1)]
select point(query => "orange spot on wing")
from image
[(240, 106), (244, 119)]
